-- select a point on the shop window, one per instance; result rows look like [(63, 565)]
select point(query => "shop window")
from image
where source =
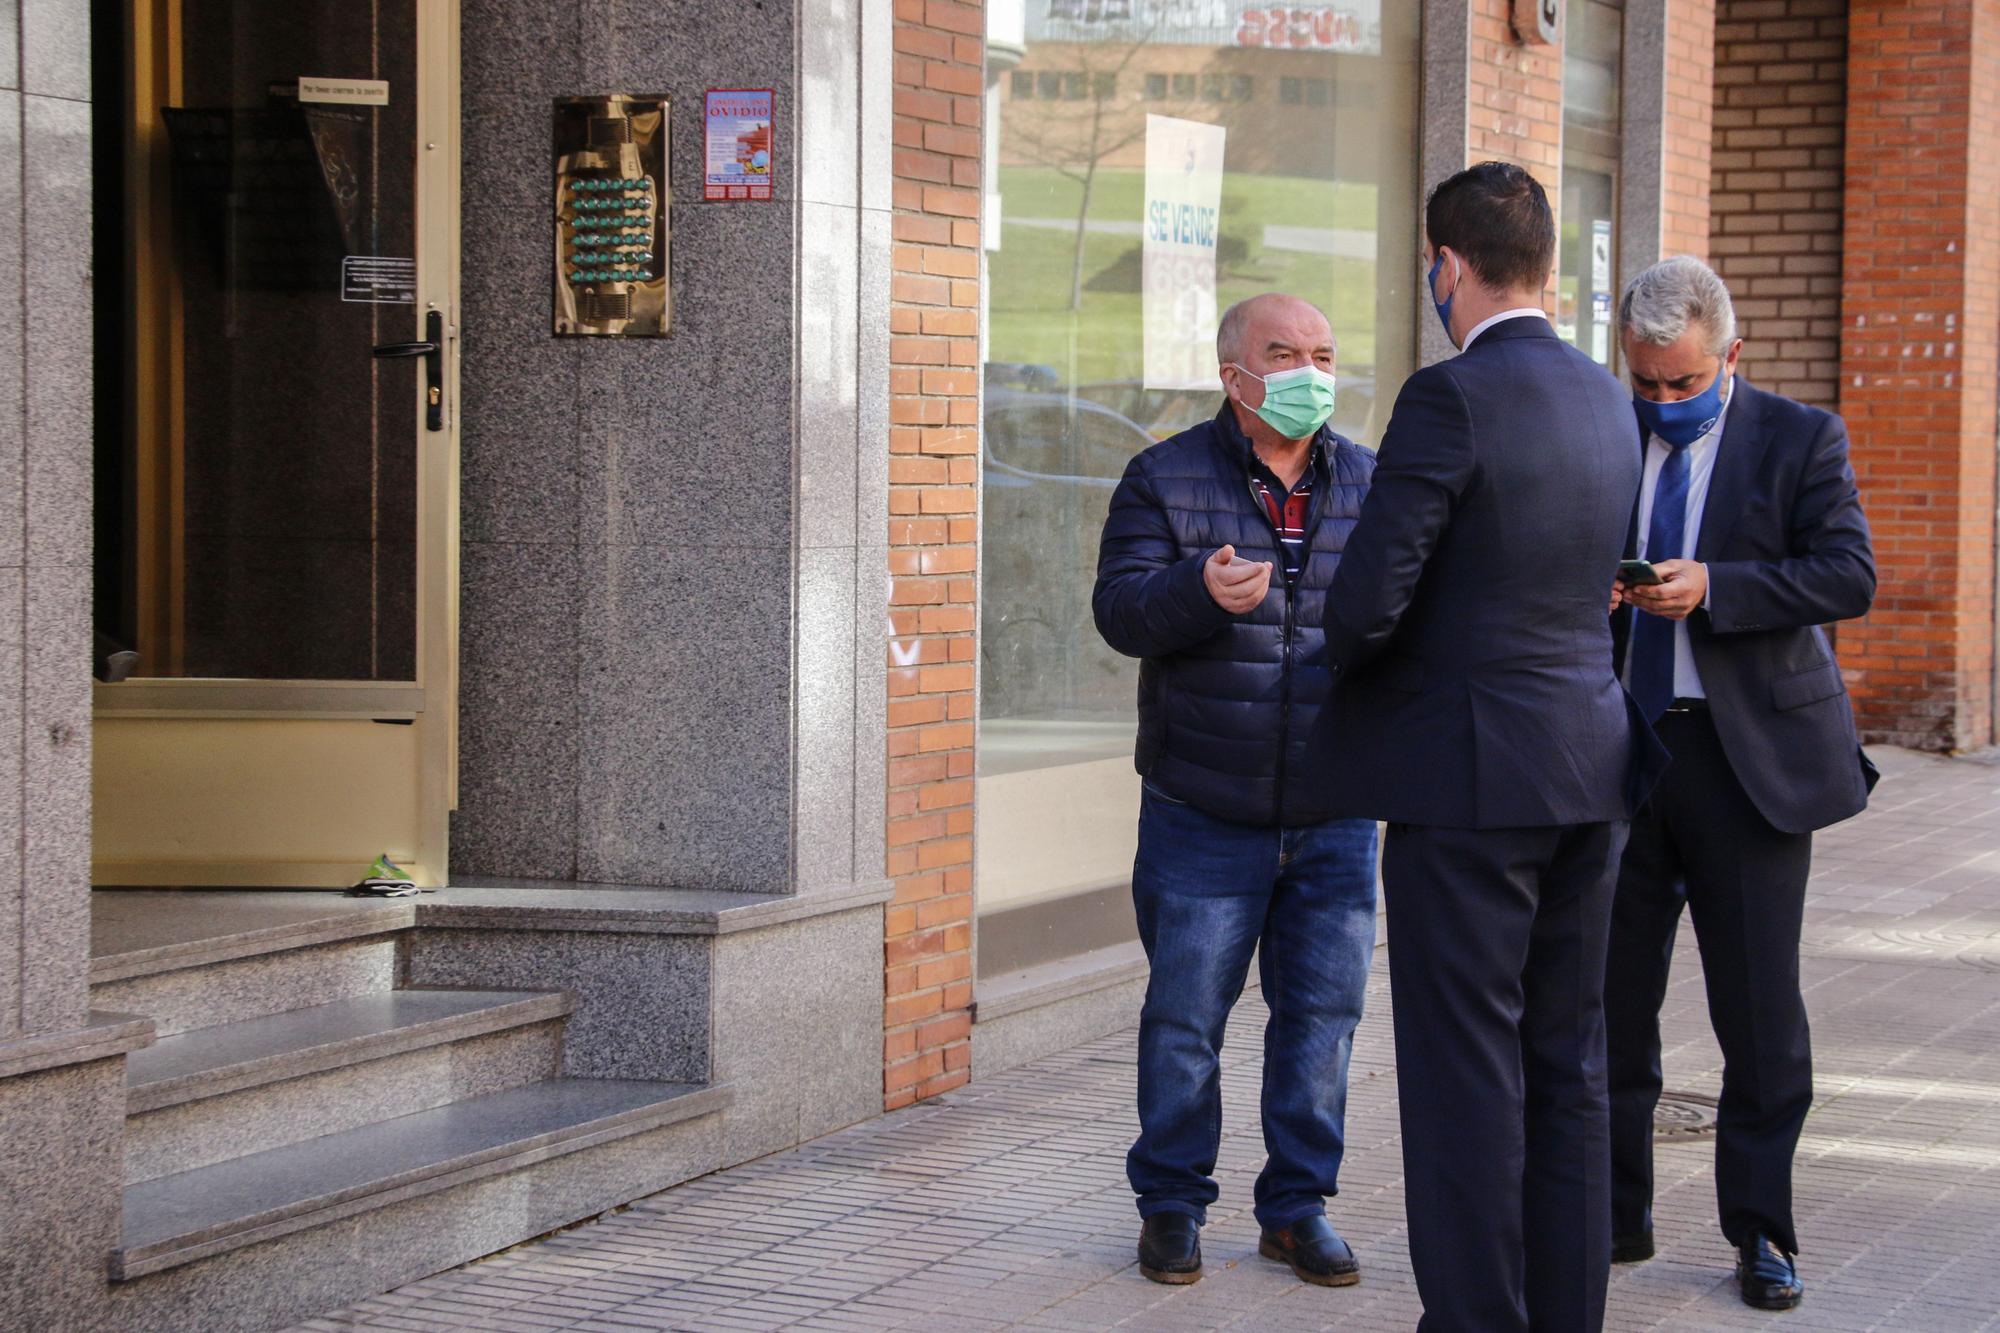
[(1587, 251), (1099, 342)]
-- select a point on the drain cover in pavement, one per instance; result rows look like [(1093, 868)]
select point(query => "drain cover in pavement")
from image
[(1682, 1115)]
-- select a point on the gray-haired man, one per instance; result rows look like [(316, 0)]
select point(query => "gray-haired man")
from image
[(1748, 512)]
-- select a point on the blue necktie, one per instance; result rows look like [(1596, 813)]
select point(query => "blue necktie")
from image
[(1666, 539)]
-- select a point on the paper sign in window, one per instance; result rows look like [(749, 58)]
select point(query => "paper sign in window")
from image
[(359, 92), (1182, 223)]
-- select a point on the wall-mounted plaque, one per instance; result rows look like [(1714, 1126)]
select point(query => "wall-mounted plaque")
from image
[(611, 217)]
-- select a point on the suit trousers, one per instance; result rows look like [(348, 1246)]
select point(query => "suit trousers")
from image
[(1496, 963), (1701, 842)]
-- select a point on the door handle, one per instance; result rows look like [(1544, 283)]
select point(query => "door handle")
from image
[(432, 351)]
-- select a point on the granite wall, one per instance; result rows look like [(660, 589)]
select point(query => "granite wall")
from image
[(45, 538), (674, 563), (61, 1089)]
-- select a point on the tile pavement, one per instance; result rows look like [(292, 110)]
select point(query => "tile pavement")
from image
[(1004, 1205)]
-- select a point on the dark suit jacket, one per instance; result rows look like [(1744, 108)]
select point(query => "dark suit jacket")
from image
[(1466, 623), (1787, 551)]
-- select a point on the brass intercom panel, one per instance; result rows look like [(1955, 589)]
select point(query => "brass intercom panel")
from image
[(611, 217)]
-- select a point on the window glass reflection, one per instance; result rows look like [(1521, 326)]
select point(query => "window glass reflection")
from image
[(1149, 162), (1587, 256)]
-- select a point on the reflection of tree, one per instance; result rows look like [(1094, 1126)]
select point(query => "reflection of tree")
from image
[(1057, 143)]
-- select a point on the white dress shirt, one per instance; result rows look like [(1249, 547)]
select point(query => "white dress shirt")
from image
[(1518, 312), (1701, 467)]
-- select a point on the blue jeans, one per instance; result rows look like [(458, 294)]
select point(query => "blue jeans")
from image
[(1208, 893)]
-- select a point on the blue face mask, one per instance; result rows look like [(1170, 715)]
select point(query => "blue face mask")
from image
[(1683, 422), (1443, 307)]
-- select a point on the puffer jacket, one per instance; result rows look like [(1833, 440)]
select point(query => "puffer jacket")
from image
[(1225, 702)]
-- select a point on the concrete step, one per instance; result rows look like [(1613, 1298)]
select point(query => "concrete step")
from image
[(212, 1210), (209, 1062), (215, 1093)]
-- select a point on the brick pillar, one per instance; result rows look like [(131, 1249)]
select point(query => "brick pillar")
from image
[(1514, 111), (1688, 98), (1777, 211), (1920, 336), (933, 551)]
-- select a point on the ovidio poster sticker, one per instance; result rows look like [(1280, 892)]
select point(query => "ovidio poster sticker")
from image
[(739, 159)]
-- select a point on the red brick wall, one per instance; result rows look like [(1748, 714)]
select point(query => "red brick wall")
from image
[(1920, 336), (1684, 203), (933, 551), (1780, 113), (1515, 93)]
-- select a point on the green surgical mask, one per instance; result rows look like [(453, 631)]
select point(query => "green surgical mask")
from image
[(1296, 402)]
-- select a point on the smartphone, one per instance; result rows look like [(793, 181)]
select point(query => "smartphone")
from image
[(1638, 572)]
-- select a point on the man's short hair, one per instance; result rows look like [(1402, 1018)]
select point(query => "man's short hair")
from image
[(1662, 303), (1497, 217), (1229, 331)]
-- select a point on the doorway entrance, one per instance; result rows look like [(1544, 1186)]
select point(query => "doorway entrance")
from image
[(277, 439)]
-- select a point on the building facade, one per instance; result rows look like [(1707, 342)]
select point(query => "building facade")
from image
[(733, 692)]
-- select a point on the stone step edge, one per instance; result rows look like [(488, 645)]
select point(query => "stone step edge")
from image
[(674, 1104), (518, 1009), (387, 917)]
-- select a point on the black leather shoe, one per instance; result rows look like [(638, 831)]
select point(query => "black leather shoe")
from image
[(1315, 1252), (1170, 1248), (1766, 1275), (1636, 1248)]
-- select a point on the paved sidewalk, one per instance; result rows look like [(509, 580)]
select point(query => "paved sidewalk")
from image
[(1004, 1205)]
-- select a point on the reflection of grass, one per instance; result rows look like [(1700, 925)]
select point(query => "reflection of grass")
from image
[(1250, 202), (1030, 275)]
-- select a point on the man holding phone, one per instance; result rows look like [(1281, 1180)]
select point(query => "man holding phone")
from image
[(1751, 524)]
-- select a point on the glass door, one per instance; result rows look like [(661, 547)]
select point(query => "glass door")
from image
[(277, 489)]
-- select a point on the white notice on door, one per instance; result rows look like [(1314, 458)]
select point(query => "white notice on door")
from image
[(359, 92), (378, 279)]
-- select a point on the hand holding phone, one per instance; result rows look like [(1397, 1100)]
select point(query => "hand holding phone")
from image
[(1638, 573)]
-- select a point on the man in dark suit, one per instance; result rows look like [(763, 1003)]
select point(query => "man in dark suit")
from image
[(1476, 710), (1749, 513)]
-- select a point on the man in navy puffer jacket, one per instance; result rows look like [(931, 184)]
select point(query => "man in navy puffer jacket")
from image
[(1216, 558)]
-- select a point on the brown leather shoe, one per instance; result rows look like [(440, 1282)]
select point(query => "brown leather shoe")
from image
[(1315, 1252)]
